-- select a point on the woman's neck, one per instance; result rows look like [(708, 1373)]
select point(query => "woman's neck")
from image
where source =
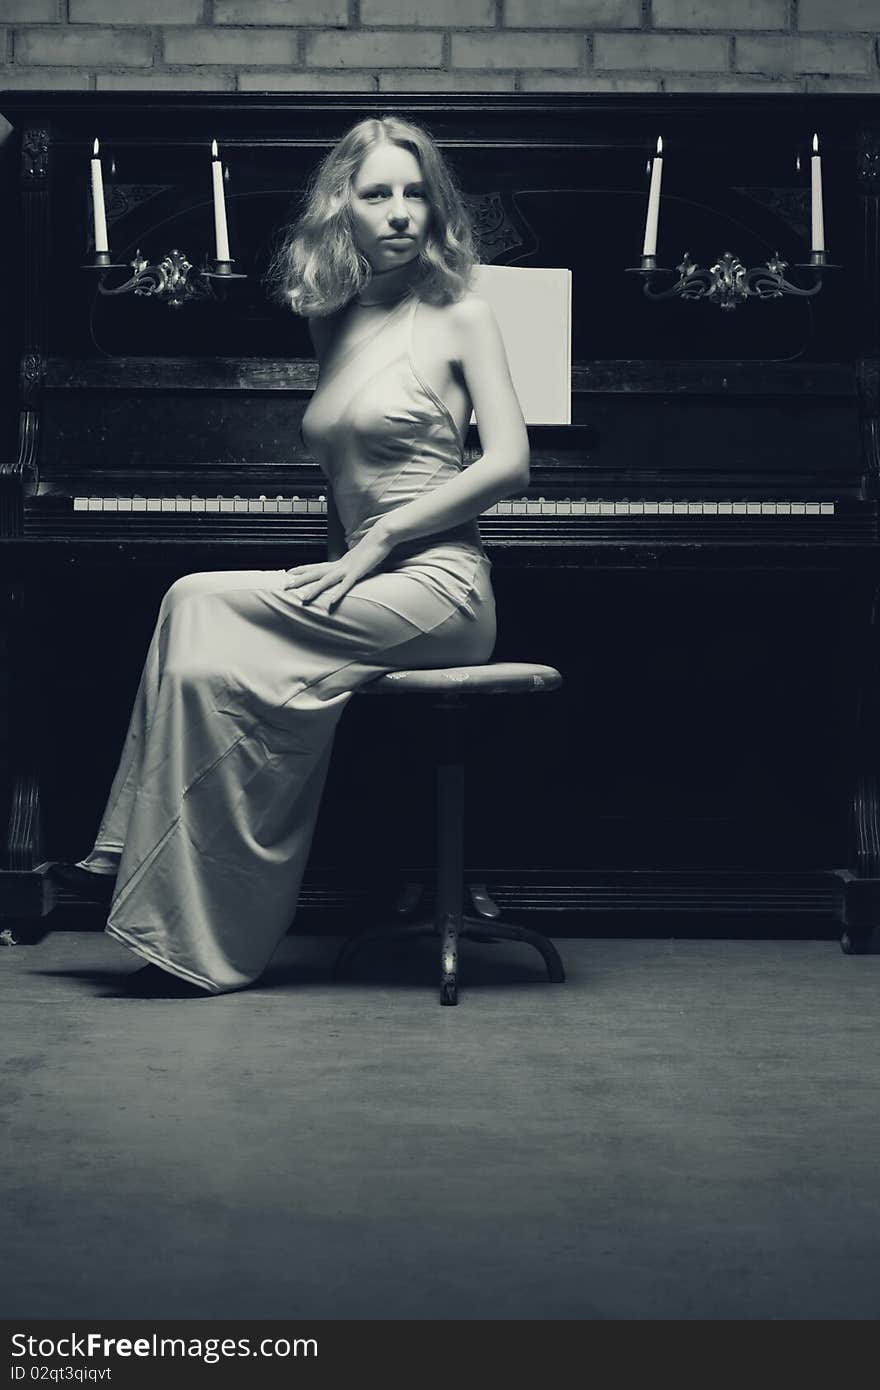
[(386, 286)]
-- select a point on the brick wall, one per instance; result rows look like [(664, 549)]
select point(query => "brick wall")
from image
[(441, 45)]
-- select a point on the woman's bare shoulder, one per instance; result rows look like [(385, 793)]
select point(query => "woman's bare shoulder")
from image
[(470, 308), (461, 320)]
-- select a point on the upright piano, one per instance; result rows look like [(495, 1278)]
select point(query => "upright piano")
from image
[(697, 551)]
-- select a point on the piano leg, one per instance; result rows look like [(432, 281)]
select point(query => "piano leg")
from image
[(856, 941), (861, 888), (26, 894), (861, 912)]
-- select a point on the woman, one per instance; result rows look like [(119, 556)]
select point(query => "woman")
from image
[(211, 813)]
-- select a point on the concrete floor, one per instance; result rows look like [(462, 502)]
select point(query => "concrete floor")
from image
[(683, 1130)]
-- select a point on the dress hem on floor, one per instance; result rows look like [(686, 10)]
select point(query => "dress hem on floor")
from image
[(182, 974)]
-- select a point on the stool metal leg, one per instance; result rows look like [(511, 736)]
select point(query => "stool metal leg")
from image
[(449, 904), (477, 930), (449, 921), (449, 893)]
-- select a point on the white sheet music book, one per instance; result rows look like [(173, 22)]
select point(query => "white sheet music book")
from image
[(533, 309)]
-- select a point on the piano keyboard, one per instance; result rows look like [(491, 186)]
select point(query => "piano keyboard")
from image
[(523, 506)]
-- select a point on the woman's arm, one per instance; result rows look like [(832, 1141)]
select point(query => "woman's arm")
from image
[(504, 464), (336, 546), (320, 333)]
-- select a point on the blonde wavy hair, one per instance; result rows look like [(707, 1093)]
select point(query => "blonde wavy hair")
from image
[(317, 267)]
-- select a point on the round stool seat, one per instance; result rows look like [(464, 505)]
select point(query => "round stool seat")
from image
[(493, 678)]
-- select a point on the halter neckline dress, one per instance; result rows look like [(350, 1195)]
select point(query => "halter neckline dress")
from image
[(212, 809)]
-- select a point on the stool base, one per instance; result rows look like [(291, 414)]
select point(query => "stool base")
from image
[(473, 928)]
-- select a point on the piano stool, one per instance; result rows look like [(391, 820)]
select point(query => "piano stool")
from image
[(449, 690)]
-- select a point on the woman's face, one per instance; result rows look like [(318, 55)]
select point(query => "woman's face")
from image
[(389, 207)]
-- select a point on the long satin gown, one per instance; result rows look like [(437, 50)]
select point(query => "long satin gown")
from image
[(211, 813)]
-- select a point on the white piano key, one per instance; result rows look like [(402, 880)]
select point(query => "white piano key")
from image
[(139, 504), (664, 508), (95, 504), (270, 506), (285, 506), (783, 509), (184, 504), (168, 504), (197, 504), (212, 504), (710, 509), (80, 504), (111, 504), (124, 504), (154, 504), (826, 508), (812, 508), (227, 504), (255, 506), (797, 509)]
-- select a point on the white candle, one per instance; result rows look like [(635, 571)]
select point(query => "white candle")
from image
[(101, 243), (650, 246), (221, 233), (818, 238)]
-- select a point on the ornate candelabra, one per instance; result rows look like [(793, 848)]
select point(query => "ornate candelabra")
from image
[(728, 282), (173, 278)]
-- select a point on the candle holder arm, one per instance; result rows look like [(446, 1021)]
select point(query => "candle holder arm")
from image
[(729, 282), (173, 278)]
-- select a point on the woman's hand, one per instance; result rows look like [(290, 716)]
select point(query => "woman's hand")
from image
[(335, 577)]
